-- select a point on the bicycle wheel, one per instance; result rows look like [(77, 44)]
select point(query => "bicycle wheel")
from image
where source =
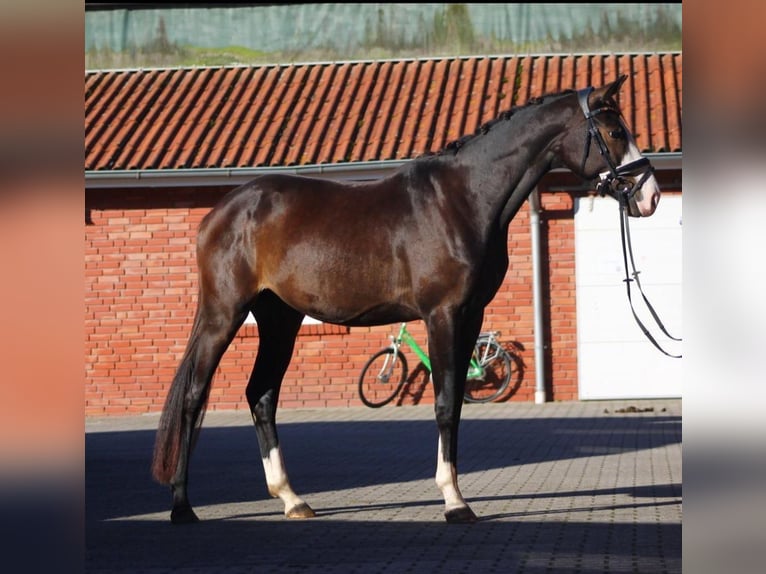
[(498, 368), (382, 377)]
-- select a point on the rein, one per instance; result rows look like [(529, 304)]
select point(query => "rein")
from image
[(615, 183), (627, 250)]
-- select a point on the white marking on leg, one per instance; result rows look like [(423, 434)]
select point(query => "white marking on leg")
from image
[(446, 480), (276, 479)]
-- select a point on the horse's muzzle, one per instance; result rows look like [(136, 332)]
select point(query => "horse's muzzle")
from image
[(633, 185)]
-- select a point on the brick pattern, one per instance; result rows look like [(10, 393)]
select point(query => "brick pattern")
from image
[(141, 291)]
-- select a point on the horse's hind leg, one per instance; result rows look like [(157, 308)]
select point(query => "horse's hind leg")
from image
[(214, 327), (278, 326)]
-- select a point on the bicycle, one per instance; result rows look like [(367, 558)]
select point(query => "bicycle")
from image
[(385, 372)]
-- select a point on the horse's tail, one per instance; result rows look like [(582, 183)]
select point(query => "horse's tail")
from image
[(168, 442)]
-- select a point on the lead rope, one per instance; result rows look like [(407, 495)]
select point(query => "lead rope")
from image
[(628, 249)]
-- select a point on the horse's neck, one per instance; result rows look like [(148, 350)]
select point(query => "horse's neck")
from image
[(507, 162)]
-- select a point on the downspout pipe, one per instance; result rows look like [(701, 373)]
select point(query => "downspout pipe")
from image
[(537, 296)]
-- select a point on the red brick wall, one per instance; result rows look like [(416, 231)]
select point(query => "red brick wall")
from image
[(140, 294)]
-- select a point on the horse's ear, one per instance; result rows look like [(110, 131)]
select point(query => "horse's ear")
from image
[(615, 86), (605, 93)]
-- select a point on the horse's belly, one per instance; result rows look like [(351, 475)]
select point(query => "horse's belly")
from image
[(380, 315), (352, 296)]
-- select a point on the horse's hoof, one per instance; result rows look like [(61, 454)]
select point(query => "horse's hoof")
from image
[(463, 515), (301, 510), (183, 515)]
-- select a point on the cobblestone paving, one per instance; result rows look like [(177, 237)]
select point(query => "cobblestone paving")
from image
[(574, 487)]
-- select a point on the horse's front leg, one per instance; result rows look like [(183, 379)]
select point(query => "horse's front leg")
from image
[(450, 346), (278, 327)]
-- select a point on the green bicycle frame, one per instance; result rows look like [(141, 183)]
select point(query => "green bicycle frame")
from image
[(475, 370)]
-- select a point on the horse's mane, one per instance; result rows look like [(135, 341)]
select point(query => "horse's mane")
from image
[(453, 146)]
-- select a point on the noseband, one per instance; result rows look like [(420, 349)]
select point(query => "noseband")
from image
[(615, 182)]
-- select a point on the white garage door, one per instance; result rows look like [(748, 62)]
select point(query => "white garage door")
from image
[(615, 359)]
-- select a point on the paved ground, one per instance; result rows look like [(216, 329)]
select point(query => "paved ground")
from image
[(562, 487)]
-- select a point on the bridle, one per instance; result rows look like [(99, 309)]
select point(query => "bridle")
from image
[(615, 182)]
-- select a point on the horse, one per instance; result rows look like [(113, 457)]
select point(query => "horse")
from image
[(428, 242)]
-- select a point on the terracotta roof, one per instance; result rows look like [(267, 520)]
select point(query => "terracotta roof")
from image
[(307, 114)]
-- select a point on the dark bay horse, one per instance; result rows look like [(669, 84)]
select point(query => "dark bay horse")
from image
[(427, 242)]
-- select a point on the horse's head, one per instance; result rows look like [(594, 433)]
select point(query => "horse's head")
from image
[(598, 143)]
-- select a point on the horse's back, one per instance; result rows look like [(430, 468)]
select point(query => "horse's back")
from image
[(296, 198)]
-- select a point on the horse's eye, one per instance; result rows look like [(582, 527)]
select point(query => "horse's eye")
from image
[(617, 134)]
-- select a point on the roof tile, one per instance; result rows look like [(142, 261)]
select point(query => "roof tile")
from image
[(304, 114)]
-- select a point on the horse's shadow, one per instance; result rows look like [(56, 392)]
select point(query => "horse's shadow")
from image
[(273, 544), (329, 456), (670, 491), (127, 514)]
